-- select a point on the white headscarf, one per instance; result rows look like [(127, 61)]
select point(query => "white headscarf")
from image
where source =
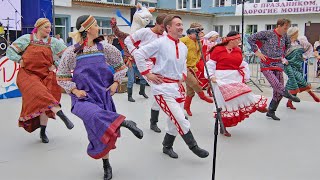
[(292, 30), (210, 34)]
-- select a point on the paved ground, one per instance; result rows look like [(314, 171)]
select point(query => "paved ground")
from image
[(260, 149)]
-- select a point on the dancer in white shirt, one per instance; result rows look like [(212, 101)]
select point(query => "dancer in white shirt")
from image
[(166, 77), (138, 39)]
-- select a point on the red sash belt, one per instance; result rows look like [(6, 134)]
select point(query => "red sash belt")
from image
[(270, 60), (167, 80)]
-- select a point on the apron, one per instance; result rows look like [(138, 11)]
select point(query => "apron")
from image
[(97, 110), (38, 85)]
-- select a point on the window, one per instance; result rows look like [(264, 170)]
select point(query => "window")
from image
[(254, 1), (294, 25), (252, 29), (235, 2), (270, 26), (62, 26), (120, 1), (219, 29), (181, 4), (219, 3), (148, 4), (272, 0), (235, 28), (104, 24), (195, 4)]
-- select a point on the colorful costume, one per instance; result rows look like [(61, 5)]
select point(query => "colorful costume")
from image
[(296, 54), (232, 94), (206, 46), (192, 82), (94, 70), (273, 46), (38, 85)]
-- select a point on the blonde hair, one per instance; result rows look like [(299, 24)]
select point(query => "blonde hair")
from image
[(42, 22)]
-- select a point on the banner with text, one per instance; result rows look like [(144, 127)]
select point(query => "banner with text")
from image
[(274, 8), (8, 76)]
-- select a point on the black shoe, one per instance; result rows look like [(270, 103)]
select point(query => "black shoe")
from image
[(167, 146), (154, 121), (170, 152), (65, 119), (286, 94), (200, 152), (193, 146), (186, 117), (107, 169), (272, 114), (143, 91), (43, 135), (272, 110), (155, 128), (130, 99), (132, 126)]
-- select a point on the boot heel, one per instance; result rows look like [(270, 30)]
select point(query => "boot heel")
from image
[(193, 146)]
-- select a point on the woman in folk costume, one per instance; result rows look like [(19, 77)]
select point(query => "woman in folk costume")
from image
[(299, 51), (229, 73), (97, 71), (208, 41), (36, 78)]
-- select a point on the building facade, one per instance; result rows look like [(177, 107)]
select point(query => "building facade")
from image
[(219, 15), (259, 15), (67, 12)]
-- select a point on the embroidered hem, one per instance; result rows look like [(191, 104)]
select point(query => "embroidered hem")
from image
[(232, 118), (36, 114)]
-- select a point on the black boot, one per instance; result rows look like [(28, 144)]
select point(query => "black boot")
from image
[(65, 119), (193, 146), (43, 135), (286, 94), (154, 121), (143, 91), (272, 110), (167, 146), (132, 126), (107, 169), (130, 95)]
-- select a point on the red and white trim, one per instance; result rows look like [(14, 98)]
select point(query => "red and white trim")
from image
[(143, 73), (176, 41), (163, 105)]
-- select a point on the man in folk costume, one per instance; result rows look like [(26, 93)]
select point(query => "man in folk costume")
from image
[(229, 72), (192, 82), (97, 71), (140, 20), (270, 46), (166, 77), (128, 59), (36, 78), (137, 40)]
